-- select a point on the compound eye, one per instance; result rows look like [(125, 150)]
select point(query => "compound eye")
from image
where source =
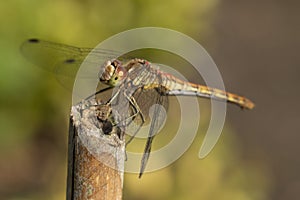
[(108, 71), (116, 63), (120, 72)]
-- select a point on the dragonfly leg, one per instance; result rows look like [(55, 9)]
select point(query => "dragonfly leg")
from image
[(138, 111)]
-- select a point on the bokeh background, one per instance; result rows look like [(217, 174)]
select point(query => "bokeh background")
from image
[(256, 47)]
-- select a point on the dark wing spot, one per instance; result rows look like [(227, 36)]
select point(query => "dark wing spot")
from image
[(72, 60), (33, 40)]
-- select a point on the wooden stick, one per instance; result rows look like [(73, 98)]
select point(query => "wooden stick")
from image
[(95, 159)]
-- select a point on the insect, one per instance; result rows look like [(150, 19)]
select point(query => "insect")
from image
[(138, 84)]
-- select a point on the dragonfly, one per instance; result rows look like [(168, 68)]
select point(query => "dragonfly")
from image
[(138, 84)]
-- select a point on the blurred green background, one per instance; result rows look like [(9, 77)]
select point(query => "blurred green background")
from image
[(255, 45)]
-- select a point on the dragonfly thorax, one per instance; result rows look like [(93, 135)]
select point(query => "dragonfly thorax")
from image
[(113, 73)]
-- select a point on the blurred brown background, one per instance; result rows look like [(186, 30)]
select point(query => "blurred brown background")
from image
[(263, 38), (254, 44)]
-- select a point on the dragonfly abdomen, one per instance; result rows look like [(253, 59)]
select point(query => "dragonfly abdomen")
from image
[(178, 87)]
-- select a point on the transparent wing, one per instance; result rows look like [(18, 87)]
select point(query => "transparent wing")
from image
[(153, 106), (147, 99), (64, 60), (49, 54), (158, 116)]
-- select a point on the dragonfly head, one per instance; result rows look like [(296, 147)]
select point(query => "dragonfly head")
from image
[(113, 73)]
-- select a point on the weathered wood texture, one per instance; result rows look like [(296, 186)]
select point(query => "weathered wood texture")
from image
[(96, 160)]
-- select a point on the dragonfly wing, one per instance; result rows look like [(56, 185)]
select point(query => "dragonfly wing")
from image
[(147, 100), (68, 71), (65, 60), (159, 105), (47, 54)]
